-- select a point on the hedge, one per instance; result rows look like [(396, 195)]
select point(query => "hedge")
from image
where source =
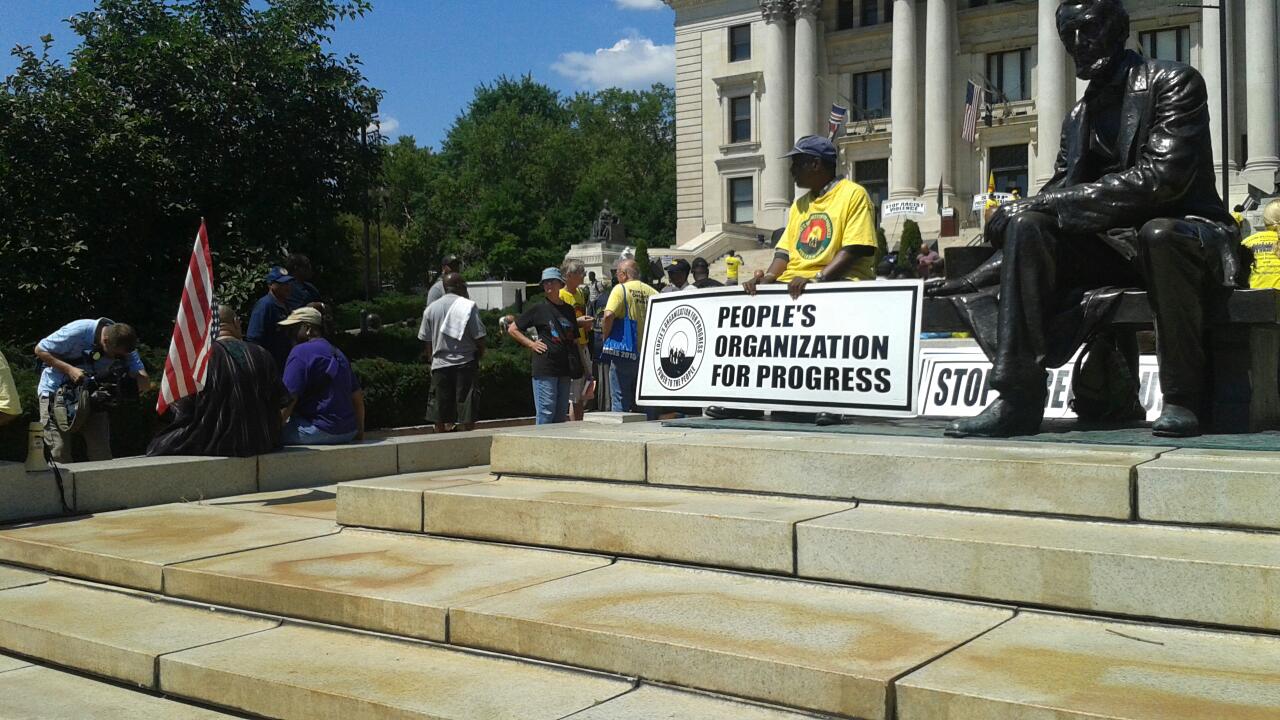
[(390, 308)]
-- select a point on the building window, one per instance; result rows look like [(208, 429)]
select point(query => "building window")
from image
[(741, 201), (739, 43), (870, 14), (873, 176), (844, 14), (1172, 44), (1009, 75), (1009, 165), (740, 119), (871, 92)]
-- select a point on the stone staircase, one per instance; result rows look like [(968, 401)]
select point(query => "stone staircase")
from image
[(593, 572)]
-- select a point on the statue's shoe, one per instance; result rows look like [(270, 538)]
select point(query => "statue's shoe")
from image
[(826, 419), (1176, 421), (717, 412), (1002, 418)]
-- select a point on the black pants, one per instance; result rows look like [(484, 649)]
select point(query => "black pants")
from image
[(1043, 264)]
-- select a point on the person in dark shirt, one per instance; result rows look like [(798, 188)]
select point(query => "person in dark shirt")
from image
[(702, 274), (555, 359), (264, 322), (304, 293)]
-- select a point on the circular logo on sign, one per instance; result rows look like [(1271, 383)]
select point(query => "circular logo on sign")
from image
[(679, 347), (815, 236)]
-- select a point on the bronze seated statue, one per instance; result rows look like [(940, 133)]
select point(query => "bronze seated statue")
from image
[(1132, 203)]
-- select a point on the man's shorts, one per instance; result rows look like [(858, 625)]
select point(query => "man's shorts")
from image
[(577, 387), (453, 398)]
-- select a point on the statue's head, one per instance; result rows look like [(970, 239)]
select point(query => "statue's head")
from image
[(1094, 32)]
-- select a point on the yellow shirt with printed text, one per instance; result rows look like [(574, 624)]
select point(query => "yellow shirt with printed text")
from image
[(578, 301), (731, 265), (637, 293), (817, 228), (1266, 261)]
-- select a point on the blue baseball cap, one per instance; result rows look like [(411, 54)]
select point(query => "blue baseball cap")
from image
[(279, 275), (814, 145), (552, 274)]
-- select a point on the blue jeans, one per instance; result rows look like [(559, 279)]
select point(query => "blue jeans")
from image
[(551, 399), (622, 386), (300, 432)]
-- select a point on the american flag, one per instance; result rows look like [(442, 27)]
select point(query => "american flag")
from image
[(839, 115), (973, 97), (188, 361)]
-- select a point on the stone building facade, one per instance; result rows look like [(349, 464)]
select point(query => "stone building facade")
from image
[(752, 75)]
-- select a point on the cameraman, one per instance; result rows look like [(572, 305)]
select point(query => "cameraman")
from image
[(79, 348)]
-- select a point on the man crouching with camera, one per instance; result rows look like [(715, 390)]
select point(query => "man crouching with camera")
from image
[(89, 366)]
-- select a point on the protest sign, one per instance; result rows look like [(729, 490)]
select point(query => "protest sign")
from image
[(902, 207), (849, 348)]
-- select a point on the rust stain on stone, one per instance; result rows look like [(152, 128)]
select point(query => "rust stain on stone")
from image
[(391, 570)]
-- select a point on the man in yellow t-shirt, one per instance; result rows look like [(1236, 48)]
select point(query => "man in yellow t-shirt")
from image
[(732, 263), (10, 405), (574, 294), (1266, 255), (629, 298)]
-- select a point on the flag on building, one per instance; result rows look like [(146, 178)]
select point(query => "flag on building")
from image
[(839, 116), (973, 96), (188, 362), (991, 182)]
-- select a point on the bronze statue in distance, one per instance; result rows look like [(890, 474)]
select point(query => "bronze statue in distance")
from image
[(1132, 203)]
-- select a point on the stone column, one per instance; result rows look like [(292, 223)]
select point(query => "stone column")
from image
[(1211, 69), (1053, 71), (940, 131), (806, 83), (775, 110), (1261, 106), (904, 177)]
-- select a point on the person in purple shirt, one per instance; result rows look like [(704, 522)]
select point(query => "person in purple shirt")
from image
[(327, 404)]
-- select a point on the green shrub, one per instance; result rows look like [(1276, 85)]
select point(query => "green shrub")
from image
[(397, 344), (390, 308)]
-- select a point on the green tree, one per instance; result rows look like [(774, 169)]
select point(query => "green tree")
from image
[(909, 245), (168, 111), (642, 259)]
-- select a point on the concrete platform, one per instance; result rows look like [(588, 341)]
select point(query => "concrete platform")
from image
[(316, 465), (394, 502), (818, 647), (753, 532), (385, 582), (39, 692), (17, 577), (114, 634), (131, 547), (320, 503), (1177, 573), (141, 481), (26, 495), (650, 702), (1212, 487), (587, 451), (424, 453), (306, 673), (11, 663), (1067, 668), (1066, 479)]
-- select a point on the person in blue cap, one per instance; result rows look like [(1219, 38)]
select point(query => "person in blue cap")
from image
[(556, 362), (830, 235), (264, 328)]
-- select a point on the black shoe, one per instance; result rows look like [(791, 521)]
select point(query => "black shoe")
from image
[(1003, 418), (1176, 421), (792, 417), (826, 419), (715, 412)]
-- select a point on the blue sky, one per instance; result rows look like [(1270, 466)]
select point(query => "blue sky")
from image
[(428, 55)]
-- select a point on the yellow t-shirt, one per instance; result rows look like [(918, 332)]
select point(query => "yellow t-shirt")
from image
[(817, 228), (637, 303), (731, 265), (578, 300), (9, 402), (1266, 261)]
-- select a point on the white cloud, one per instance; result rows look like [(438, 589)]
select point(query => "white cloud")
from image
[(639, 4), (389, 126), (632, 63)]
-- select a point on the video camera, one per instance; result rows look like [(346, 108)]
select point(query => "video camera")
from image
[(110, 389)]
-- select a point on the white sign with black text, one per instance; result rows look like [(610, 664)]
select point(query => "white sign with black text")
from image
[(954, 384), (902, 207), (847, 347)]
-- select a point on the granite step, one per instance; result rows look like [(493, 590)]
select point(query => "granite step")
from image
[(372, 580), (815, 647), (750, 532), (1071, 668), (131, 547), (31, 691), (394, 502), (1199, 575)]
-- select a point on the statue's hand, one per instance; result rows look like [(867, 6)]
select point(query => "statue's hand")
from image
[(942, 287)]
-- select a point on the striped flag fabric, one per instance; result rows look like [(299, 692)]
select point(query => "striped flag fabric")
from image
[(973, 97), (186, 366), (839, 116)]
